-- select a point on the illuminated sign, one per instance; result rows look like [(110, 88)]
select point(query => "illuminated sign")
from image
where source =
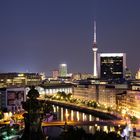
[(21, 74), (111, 54), (14, 97)]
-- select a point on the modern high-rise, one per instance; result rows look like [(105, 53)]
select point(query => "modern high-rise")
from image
[(63, 70), (137, 77), (94, 48), (111, 65)]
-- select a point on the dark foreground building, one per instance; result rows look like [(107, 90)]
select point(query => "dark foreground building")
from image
[(111, 66)]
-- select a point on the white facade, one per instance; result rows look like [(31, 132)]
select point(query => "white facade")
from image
[(107, 96), (53, 90), (130, 103)]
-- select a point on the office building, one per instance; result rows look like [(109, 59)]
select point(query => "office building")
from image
[(19, 79), (2, 98), (128, 74), (111, 66), (63, 70), (137, 77), (103, 94), (129, 103), (85, 92), (81, 76), (107, 96)]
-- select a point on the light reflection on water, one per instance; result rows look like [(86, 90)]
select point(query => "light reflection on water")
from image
[(64, 114), (79, 116), (72, 115)]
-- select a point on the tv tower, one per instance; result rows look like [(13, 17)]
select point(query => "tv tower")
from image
[(94, 48)]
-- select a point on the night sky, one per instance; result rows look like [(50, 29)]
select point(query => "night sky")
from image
[(38, 35)]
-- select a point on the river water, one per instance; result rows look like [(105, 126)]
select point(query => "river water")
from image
[(64, 114)]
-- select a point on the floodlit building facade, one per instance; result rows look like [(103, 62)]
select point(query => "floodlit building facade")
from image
[(85, 92), (63, 70), (52, 89), (81, 76), (107, 96), (103, 94), (137, 77), (129, 103)]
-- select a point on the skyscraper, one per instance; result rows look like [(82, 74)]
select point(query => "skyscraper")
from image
[(63, 70), (94, 48), (111, 65)]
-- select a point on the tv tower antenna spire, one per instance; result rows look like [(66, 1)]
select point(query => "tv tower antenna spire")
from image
[(94, 48)]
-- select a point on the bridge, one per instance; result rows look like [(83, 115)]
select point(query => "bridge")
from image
[(80, 123)]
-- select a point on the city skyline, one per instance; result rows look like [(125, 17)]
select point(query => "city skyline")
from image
[(37, 36)]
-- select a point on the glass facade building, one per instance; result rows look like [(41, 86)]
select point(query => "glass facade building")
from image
[(63, 70), (111, 65)]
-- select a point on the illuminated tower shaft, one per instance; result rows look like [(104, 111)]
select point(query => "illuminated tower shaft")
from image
[(94, 48), (95, 63)]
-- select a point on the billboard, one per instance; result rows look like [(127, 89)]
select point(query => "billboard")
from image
[(15, 97)]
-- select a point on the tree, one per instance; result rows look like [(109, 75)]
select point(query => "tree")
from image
[(69, 96), (1, 115), (133, 119), (95, 105), (47, 108)]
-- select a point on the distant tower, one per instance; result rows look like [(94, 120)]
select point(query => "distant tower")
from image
[(94, 48), (63, 70)]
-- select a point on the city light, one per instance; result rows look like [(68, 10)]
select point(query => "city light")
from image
[(111, 54), (67, 84)]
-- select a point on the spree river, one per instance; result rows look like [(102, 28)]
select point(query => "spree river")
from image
[(64, 114)]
